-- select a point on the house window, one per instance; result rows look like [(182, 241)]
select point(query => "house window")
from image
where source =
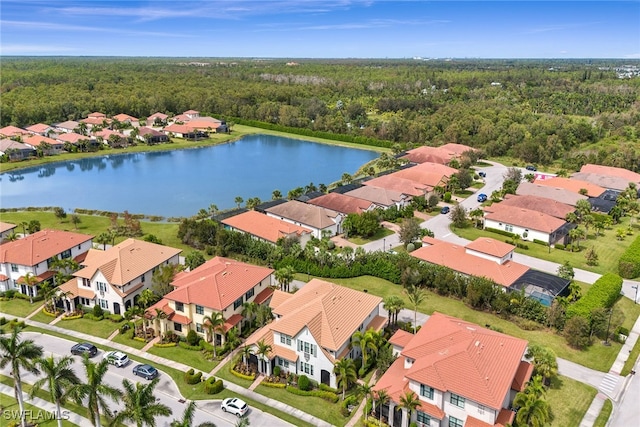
[(285, 339), (237, 303), (307, 368), (481, 409), (103, 303), (199, 309), (177, 327), (102, 287), (508, 228), (424, 418), (199, 328), (14, 268), (454, 422), (457, 400), (179, 306), (66, 254), (308, 348), (142, 278), (426, 391), (249, 294), (284, 363)]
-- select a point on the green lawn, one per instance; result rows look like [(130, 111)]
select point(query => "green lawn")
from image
[(102, 328), (569, 401), (42, 317), (125, 340), (19, 307), (382, 232), (597, 356), (604, 415), (631, 361), (225, 374), (33, 413), (189, 357), (608, 248)]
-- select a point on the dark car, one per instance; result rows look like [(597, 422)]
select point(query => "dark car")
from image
[(445, 210), (531, 168), (482, 197), (84, 348), (145, 371), (482, 174)]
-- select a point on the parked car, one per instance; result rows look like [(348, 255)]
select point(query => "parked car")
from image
[(531, 168), (145, 371), (117, 358), (84, 348), (235, 406), (445, 210), (482, 174), (482, 197)]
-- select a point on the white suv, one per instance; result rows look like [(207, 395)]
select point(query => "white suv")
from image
[(117, 358), (235, 406)]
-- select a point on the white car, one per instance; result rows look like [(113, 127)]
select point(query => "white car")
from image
[(235, 406), (117, 358)]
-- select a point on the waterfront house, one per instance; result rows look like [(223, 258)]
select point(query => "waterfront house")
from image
[(343, 203), (319, 220), (267, 228)]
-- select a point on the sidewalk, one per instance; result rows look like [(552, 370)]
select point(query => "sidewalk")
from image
[(183, 368)]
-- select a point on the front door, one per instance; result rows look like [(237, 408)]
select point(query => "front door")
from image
[(116, 308)]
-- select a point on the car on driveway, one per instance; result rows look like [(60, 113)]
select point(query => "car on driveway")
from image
[(482, 197), (531, 168), (482, 174), (445, 210), (145, 371), (84, 348), (117, 358), (235, 406)]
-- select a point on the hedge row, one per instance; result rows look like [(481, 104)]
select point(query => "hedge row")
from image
[(273, 385), (243, 376), (192, 377), (602, 294), (501, 232), (186, 346), (164, 345), (629, 263), (326, 395)]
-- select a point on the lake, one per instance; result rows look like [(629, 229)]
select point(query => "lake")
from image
[(181, 182)]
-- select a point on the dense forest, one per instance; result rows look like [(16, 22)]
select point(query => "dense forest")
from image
[(566, 112)]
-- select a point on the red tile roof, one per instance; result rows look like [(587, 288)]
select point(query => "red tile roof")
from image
[(217, 283), (9, 131), (401, 338), (523, 375), (3, 278), (303, 213), (72, 137), (540, 204), (489, 246), (36, 140), (97, 115), (456, 258), (342, 203), (95, 121), (77, 291), (525, 218), (574, 185), (427, 173), (611, 171), (38, 247), (6, 226), (232, 321), (377, 195), (39, 128), (265, 227), (125, 117), (396, 183), (263, 296), (153, 117), (176, 128)]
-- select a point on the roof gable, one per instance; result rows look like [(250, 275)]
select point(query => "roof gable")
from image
[(526, 218), (38, 247), (310, 215), (342, 203), (263, 226)]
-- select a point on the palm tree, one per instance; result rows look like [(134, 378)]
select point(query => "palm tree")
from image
[(416, 296), (213, 324), (410, 402), (383, 398), (246, 352), (249, 310), (276, 195), (140, 404), (365, 341), (393, 304), (533, 411), (95, 390), (60, 379), (233, 337), (284, 276), (31, 280), (366, 391), (134, 313), (263, 351), (20, 354), (187, 418), (345, 372), (160, 316), (264, 314), (239, 201)]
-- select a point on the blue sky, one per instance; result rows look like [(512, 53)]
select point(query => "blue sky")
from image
[(322, 28)]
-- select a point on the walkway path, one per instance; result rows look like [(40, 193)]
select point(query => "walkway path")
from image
[(360, 410)]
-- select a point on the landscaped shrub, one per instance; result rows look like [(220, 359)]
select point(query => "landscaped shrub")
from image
[(501, 232), (192, 338), (273, 385), (92, 316), (447, 197), (161, 345), (303, 383), (629, 263), (559, 246), (72, 316), (205, 345), (241, 375), (116, 318), (326, 395), (211, 386), (602, 294), (411, 247), (541, 242), (325, 387), (98, 311), (349, 401), (192, 377), (276, 371), (186, 346)]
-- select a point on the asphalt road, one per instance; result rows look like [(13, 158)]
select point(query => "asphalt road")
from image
[(166, 390)]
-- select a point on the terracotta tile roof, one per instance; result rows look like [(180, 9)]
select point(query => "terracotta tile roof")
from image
[(303, 213), (574, 185), (505, 417), (36, 140), (606, 181), (263, 296), (377, 195), (342, 203), (77, 291), (489, 246), (457, 148), (6, 226), (203, 123), (95, 121), (155, 116), (525, 218), (377, 323), (442, 155), (176, 128), (456, 356), (265, 227), (232, 321), (536, 203), (39, 278), (125, 117), (522, 377), (9, 131), (474, 422), (179, 318), (402, 185), (129, 291), (125, 261), (401, 338), (191, 112), (106, 133), (38, 247), (331, 312), (611, 171), (279, 297), (266, 334), (97, 115), (456, 258), (145, 130), (73, 137), (3, 278), (558, 194), (38, 128), (181, 118), (162, 305), (427, 173), (217, 283)]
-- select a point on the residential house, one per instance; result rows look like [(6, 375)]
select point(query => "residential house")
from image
[(220, 285), (343, 203), (382, 197), (192, 114), (609, 182), (266, 228), (129, 120), (626, 174), (577, 186), (151, 136), (6, 229), (528, 224), (405, 186), (318, 219), (97, 115), (184, 131), (558, 194), (207, 124), (15, 150), (40, 129), (462, 374), (53, 146), (66, 127), (33, 254), (430, 174), (157, 119), (313, 329), (106, 136), (539, 204), (75, 138), (92, 122), (12, 132), (113, 279), (441, 155)]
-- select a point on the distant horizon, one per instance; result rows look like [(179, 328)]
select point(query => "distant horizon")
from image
[(322, 29)]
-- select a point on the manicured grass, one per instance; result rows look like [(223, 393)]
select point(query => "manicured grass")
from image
[(125, 340), (19, 307), (597, 356), (42, 317), (316, 406), (225, 374), (189, 357), (631, 361), (33, 413), (604, 415), (102, 328), (382, 232), (569, 400), (608, 248)]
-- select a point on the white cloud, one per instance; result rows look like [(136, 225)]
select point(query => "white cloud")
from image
[(83, 28)]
